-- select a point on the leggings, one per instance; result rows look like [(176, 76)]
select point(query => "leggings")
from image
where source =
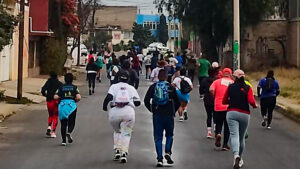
[(210, 113), (92, 79), (267, 106), (220, 118), (53, 113), (68, 124)]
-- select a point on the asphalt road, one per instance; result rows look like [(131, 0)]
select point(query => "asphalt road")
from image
[(23, 144)]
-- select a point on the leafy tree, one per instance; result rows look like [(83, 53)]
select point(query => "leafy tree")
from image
[(142, 36), (163, 30), (96, 42), (212, 20), (7, 25)]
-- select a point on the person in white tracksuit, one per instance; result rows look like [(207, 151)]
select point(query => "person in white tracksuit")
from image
[(122, 98)]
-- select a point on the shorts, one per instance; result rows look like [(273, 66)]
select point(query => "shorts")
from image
[(148, 66), (183, 97), (99, 68)]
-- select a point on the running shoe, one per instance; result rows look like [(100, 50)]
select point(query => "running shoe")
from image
[(241, 164), (209, 135), (93, 91), (53, 135), (117, 155), (100, 81), (269, 127), (123, 158), (64, 143), (236, 163), (225, 148), (160, 163), (169, 159), (48, 132), (185, 115), (218, 140), (90, 92), (70, 139), (264, 122), (181, 119), (201, 97)]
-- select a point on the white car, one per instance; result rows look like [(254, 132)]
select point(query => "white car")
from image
[(83, 55), (157, 46)]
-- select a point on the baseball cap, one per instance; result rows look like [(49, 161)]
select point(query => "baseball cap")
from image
[(227, 71), (215, 65), (123, 75), (239, 73)]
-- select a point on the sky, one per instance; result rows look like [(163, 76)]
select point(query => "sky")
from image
[(145, 6)]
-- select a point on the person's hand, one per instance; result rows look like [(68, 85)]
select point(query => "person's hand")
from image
[(255, 106)]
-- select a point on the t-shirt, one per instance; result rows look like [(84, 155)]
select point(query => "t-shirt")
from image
[(264, 94), (203, 69), (180, 61), (220, 86), (67, 91), (141, 57), (132, 93), (173, 61), (99, 62), (90, 57), (147, 60), (154, 74), (177, 81)]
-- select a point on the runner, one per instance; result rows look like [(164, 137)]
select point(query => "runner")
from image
[(48, 90), (161, 99), (147, 62), (136, 65), (191, 66), (90, 56), (180, 61), (270, 90), (183, 87), (68, 94), (155, 72), (134, 79), (99, 63), (141, 58), (123, 98), (203, 65), (217, 90), (115, 68), (208, 99), (91, 70), (238, 95)]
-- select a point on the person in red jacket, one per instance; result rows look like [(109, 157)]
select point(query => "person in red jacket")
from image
[(238, 95)]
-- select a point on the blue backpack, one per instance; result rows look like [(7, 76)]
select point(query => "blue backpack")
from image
[(161, 93)]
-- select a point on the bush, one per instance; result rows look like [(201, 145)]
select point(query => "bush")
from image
[(54, 56)]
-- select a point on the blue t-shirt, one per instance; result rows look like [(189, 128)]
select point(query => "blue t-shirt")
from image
[(265, 93), (180, 61)]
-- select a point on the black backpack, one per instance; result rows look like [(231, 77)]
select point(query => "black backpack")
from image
[(269, 84), (185, 87)]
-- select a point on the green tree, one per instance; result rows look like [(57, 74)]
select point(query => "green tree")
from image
[(7, 25), (163, 30), (213, 20), (142, 36), (95, 42)]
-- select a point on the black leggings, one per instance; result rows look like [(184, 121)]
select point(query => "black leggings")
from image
[(92, 79), (210, 113), (220, 118), (267, 106), (68, 123), (191, 74)]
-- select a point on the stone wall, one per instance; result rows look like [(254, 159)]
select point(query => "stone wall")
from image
[(293, 43)]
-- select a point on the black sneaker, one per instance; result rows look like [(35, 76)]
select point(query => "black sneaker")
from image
[(185, 116), (160, 163), (63, 143), (236, 163), (93, 91), (70, 139), (123, 158), (100, 81), (48, 132), (169, 159), (264, 122), (117, 155), (225, 148), (90, 92)]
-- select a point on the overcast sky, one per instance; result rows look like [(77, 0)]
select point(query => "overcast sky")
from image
[(145, 6)]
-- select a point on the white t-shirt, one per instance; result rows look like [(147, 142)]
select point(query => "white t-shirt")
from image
[(147, 60), (141, 57), (177, 81), (173, 61), (154, 74), (132, 93)]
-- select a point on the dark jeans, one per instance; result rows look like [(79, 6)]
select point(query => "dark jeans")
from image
[(191, 74), (267, 106), (92, 79), (220, 118), (210, 115), (200, 80), (163, 123), (68, 123)]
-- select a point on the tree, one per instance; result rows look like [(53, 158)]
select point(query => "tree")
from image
[(96, 42), (213, 20), (163, 36), (142, 36), (7, 25)]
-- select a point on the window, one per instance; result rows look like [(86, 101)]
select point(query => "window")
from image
[(294, 8), (150, 25)]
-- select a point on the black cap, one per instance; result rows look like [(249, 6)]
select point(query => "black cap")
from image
[(123, 76)]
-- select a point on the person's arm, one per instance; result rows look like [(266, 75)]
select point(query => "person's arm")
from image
[(277, 88), (77, 95), (44, 89), (136, 98), (225, 100), (107, 99), (258, 91), (177, 102), (212, 89), (148, 97), (251, 98)]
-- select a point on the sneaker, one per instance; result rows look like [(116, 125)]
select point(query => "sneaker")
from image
[(218, 140), (264, 122), (70, 139), (64, 143), (269, 127), (169, 159), (90, 92), (123, 158), (225, 148), (201, 97), (236, 163), (48, 132), (100, 81), (241, 163), (159, 163), (181, 119), (93, 91), (117, 155), (53, 135), (185, 116), (209, 135)]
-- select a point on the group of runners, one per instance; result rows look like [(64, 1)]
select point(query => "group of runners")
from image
[(226, 96)]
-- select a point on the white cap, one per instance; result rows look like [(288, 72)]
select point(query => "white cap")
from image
[(215, 65)]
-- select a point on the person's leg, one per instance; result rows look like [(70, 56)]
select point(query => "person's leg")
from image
[(93, 81), (233, 124), (226, 130), (63, 129), (115, 123), (184, 110), (263, 107), (126, 128), (158, 135), (180, 110), (271, 107), (50, 112), (244, 121), (219, 124), (169, 127), (55, 116), (100, 74), (209, 112), (71, 122)]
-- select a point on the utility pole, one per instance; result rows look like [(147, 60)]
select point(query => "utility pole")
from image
[(20, 54), (236, 38), (79, 33)]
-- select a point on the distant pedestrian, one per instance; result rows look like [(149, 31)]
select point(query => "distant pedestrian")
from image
[(113, 71), (268, 90), (203, 65), (183, 87), (180, 61), (238, 95), (136, 65), (147, 62), (155, 72), (141, 59), (90, 56), (161, 99), (48, 90), (217, 90), (191, 66), (68, 95), (91, 70), (99, 63), (134, 79), (123, 98)]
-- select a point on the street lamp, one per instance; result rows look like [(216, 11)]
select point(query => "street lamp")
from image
[(236, 36)]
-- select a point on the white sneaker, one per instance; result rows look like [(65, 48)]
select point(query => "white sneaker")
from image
[(241, 164), (64, 144), (269, 128), (53, 135), (123, 158), (181, 119)]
